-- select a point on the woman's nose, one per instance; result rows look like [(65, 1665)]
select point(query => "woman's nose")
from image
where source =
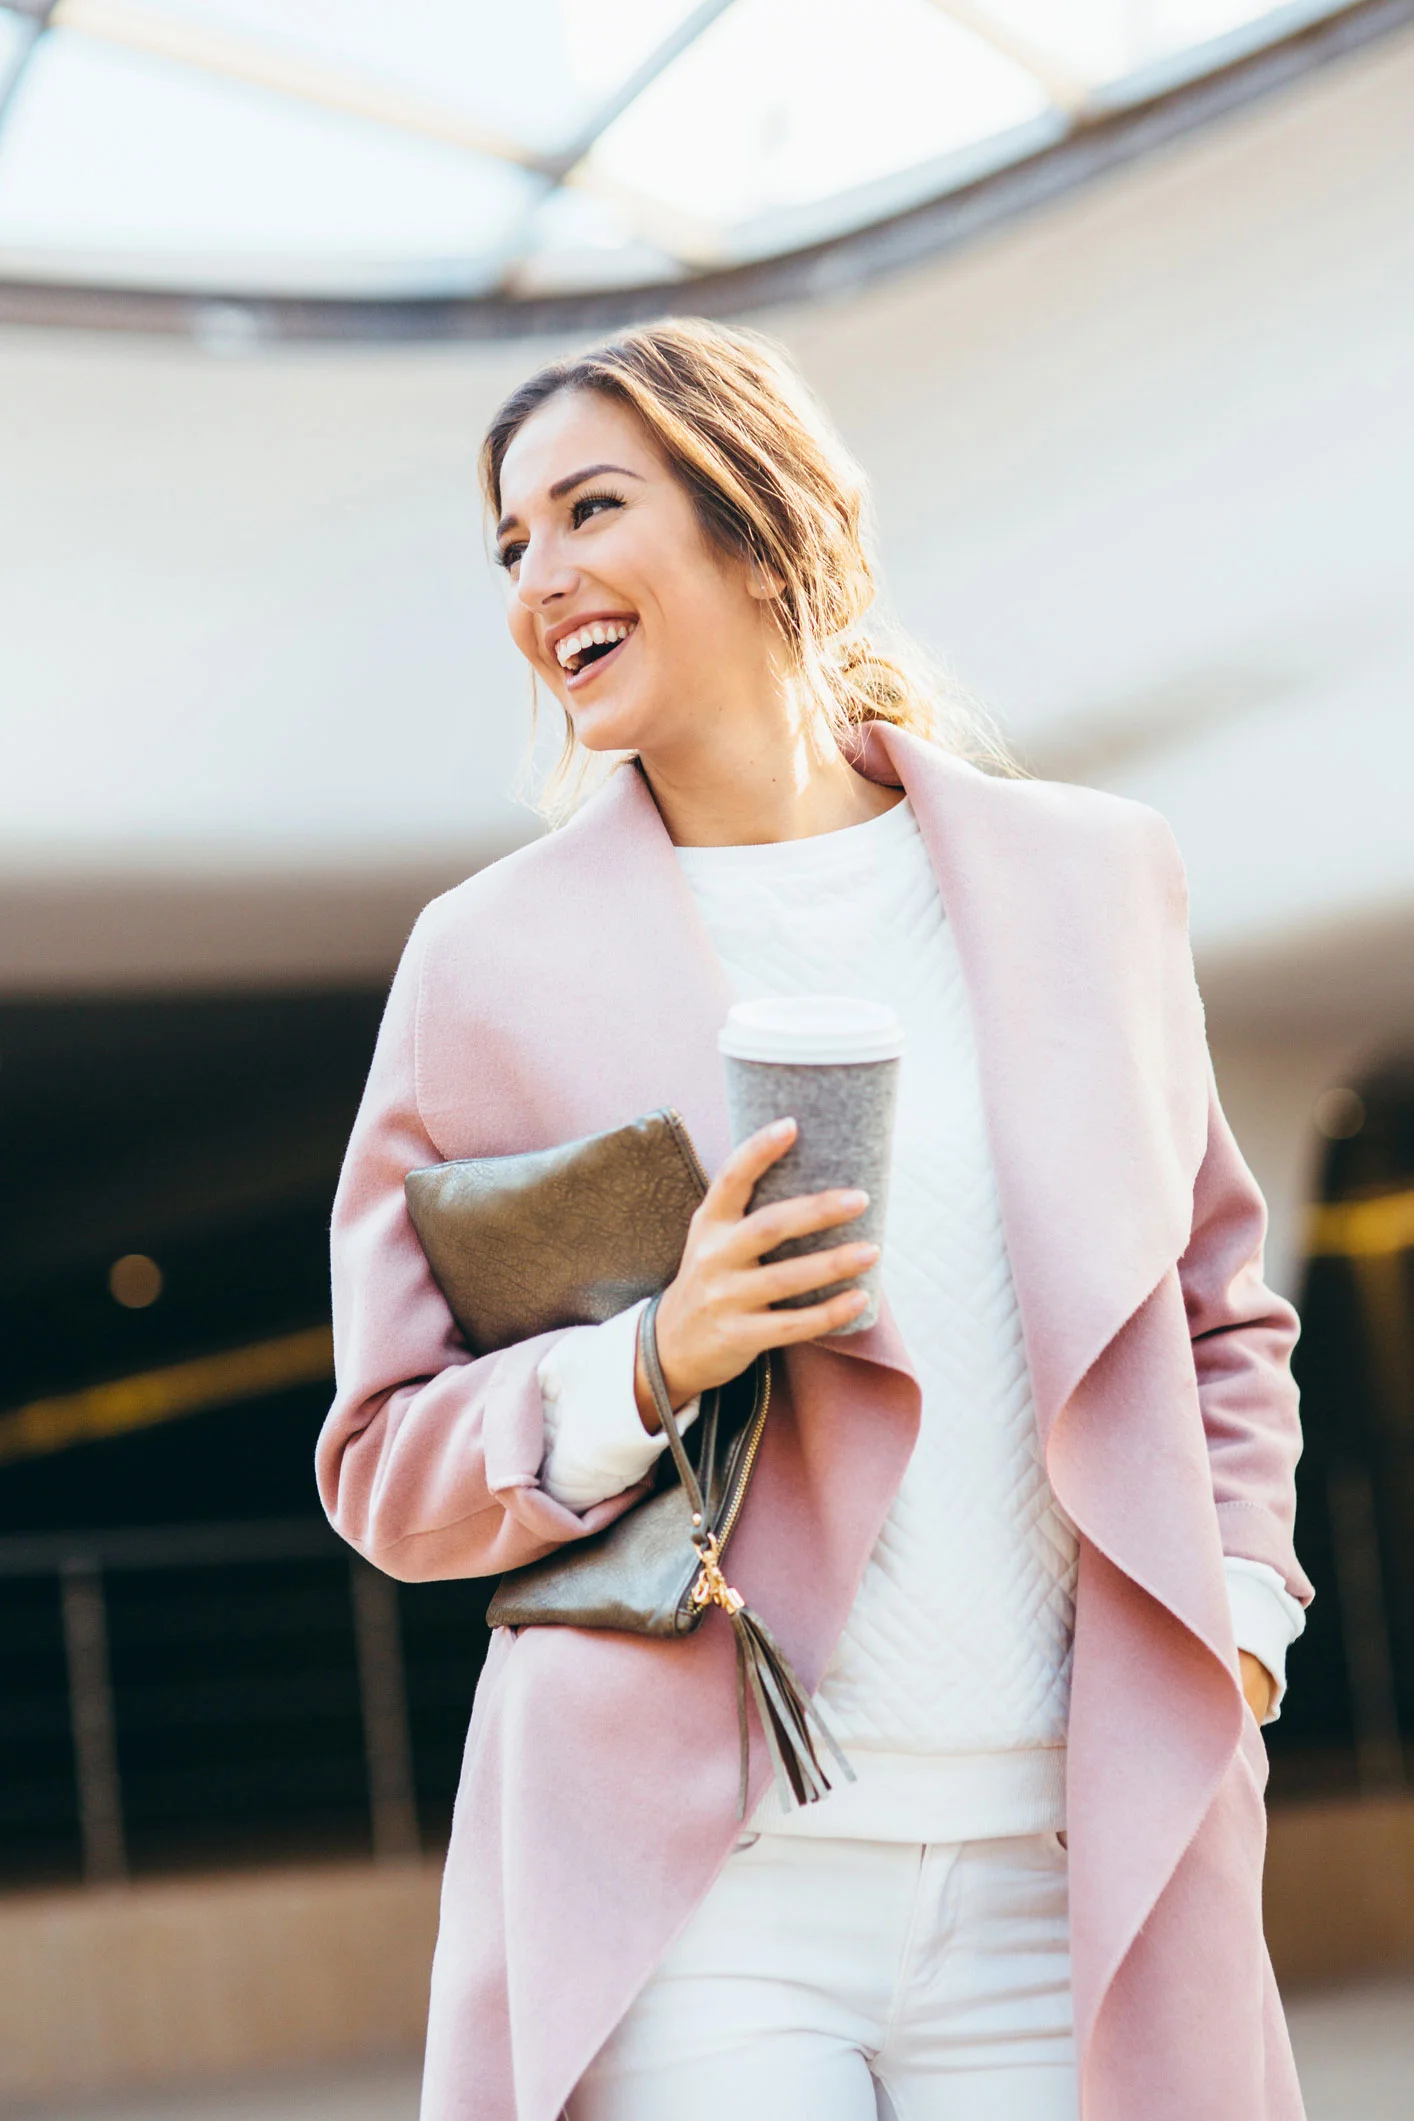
[(543, 575)]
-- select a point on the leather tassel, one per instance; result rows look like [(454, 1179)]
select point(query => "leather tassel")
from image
[(793, 1726)]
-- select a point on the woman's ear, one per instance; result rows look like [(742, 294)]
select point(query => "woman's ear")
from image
[(763, 582)]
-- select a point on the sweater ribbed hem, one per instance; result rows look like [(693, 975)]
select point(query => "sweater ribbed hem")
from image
[(932, 1797)]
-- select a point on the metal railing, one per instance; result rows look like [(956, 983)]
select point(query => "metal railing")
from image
[(83, 1563)]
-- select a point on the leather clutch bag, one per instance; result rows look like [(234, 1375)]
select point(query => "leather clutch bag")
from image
[(569, 1236), (573, 1235)]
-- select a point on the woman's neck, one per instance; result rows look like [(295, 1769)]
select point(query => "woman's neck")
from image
[(790, 787)]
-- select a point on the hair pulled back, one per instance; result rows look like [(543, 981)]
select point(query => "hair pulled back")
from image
[(772, 483)]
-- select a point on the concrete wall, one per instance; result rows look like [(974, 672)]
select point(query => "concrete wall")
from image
[(210, 1977)]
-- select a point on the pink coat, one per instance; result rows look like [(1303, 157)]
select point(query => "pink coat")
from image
[(571, 987)]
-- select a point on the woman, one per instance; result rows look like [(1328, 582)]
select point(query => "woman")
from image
[(1029, 1535)]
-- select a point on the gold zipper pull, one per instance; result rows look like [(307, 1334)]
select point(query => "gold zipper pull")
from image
[(711, 1587)]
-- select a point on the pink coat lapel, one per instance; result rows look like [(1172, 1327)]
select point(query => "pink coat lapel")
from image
[(1091, 1049), (1085, 1060)]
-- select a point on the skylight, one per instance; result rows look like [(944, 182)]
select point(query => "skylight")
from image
[(452, 147)]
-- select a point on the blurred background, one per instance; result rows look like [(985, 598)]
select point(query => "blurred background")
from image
[(1114, 300)]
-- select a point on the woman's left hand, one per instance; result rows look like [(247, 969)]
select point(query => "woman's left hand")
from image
[(1258, 1685)]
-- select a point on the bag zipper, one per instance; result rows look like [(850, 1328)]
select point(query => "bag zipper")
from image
[(748, 1460), (710, 1586), (686, 1143)]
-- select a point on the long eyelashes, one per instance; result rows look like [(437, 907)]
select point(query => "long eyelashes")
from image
[(588, 504), (583, 507)]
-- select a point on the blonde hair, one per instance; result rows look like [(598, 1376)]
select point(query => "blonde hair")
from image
[(772, 483)]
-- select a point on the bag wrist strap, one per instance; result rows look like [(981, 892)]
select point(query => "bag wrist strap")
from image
[(663, 1407), (790, 1721)]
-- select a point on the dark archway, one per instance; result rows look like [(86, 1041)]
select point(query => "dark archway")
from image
[(1350, 1716), (254, 1706)]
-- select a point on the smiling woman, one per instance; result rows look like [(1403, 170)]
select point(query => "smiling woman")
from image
[(1025, 1537)]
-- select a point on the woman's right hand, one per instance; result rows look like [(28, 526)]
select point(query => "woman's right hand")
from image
[(715, 1317)]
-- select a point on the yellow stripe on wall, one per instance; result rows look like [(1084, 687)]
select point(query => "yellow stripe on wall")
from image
[(1343, 1229), (1361, 1229), (162, 1395)]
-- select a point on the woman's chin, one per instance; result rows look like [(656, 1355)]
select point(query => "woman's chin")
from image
[(602, 726)]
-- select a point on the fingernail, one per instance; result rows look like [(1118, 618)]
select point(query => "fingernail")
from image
[(780, 1127), (867, 1252), (856, 1199)]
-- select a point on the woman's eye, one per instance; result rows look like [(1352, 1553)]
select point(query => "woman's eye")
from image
[(590, 504), (581, 509)]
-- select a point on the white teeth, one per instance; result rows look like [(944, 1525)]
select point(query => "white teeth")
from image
[(595, 635)]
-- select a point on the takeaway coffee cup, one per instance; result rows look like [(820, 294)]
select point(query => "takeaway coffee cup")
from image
[(830, 1063)]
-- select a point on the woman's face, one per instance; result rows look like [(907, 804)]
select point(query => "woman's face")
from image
[(643, 629)]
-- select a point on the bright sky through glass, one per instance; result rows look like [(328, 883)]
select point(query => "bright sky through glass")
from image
[(324, 146), (783, 102)]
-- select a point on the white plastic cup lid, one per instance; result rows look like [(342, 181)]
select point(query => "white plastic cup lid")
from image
[(826, 1029)]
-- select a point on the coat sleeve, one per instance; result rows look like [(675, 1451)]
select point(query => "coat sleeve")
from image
[(1242, 1335), (429, 1461)]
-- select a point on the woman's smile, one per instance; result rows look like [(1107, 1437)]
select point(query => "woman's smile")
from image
[(587, 645)]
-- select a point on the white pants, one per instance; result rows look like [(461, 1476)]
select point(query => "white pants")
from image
[(853, 1980)]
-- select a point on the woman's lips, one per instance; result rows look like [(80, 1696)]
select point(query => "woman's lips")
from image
[(591, 670)]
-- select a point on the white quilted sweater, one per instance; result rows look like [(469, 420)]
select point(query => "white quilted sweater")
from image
[(950, 1684)]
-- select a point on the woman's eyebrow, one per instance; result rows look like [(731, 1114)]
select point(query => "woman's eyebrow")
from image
[(591, 471), (567, 485)]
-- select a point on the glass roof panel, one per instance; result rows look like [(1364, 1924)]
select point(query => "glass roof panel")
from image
[(786, 101), (531, 69), (605, 40), (138, 169), (1101, 39), (12, 35), (438, 146)]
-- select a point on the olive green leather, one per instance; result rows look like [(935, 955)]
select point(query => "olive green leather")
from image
[(569, 1236), (639, 1572), (521, 1245)]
